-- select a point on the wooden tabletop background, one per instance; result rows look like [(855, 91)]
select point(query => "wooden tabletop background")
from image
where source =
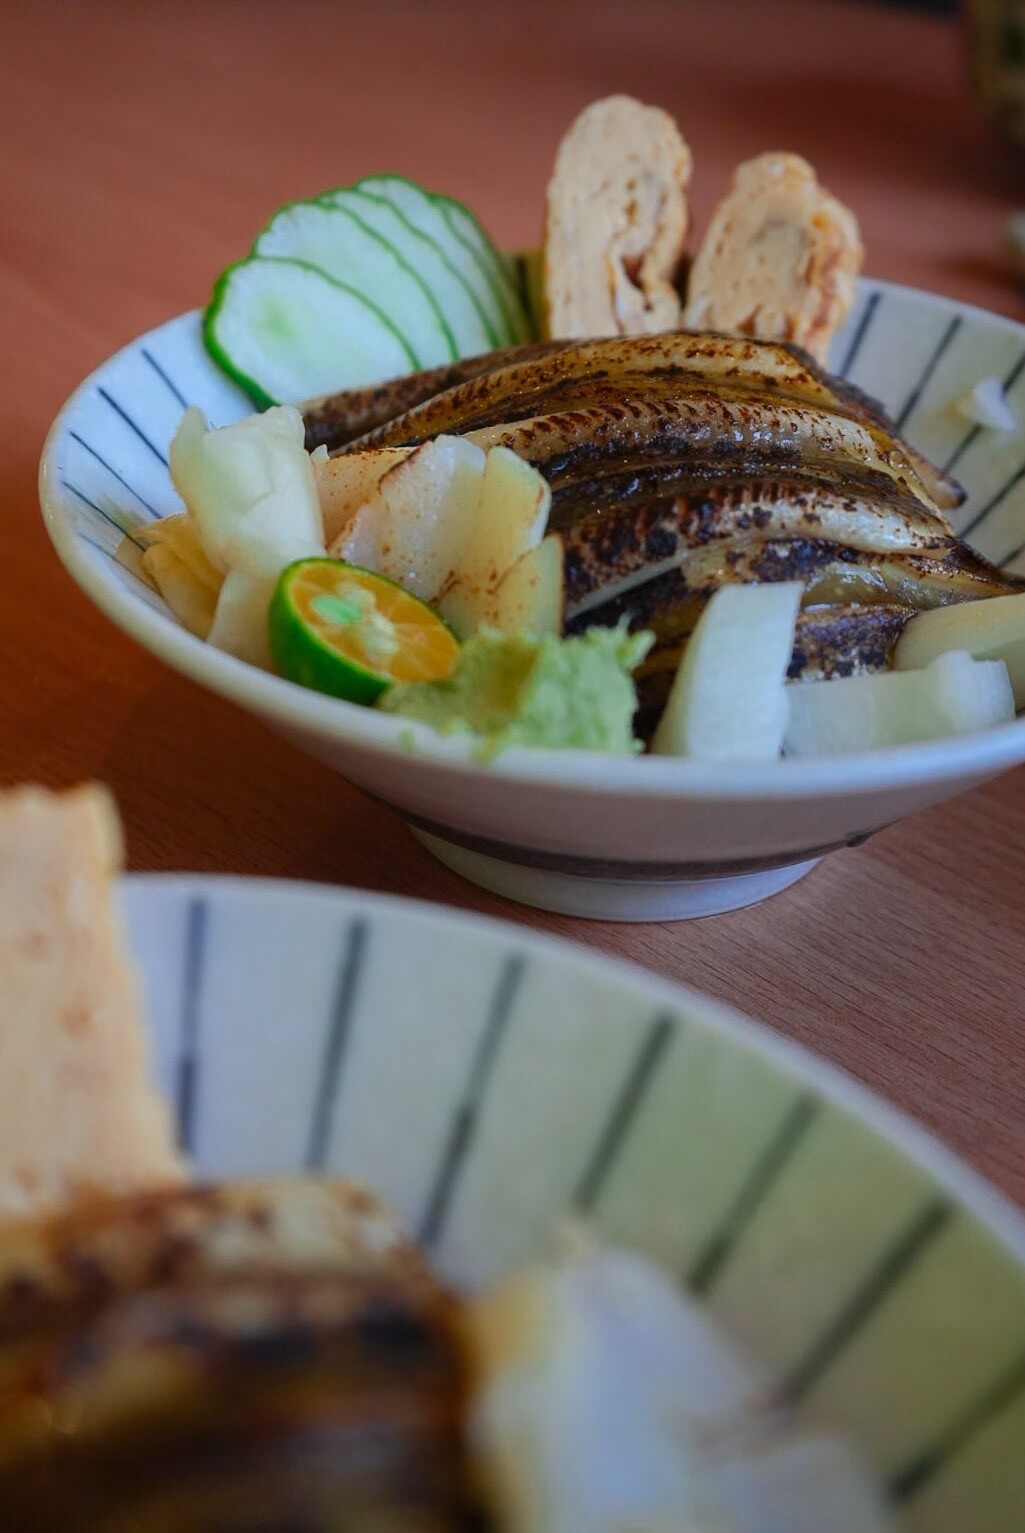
[(141, 145)]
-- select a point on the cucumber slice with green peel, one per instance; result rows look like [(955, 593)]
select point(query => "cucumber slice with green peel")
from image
[(420, 209), (285, 332), (466, 228), (341, 246), (458, 304), (470, 232)]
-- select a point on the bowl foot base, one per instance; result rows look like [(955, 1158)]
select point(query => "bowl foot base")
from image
[(613, 899)]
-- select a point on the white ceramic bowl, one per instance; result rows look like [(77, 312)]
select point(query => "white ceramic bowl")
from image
[(587, 834), (488, 1083)]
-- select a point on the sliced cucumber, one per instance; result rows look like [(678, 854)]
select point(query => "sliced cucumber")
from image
[(285, 331), (469, 231), (463, 314), (420, 209), (336, 241)]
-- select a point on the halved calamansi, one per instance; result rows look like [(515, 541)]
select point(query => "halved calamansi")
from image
[(345, 631)]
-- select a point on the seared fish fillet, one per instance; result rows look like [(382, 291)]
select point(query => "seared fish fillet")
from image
[(685, 461), (616, 223), (334, 420), (598, 397), (78, 1107), (779, 260), (244, 1358)]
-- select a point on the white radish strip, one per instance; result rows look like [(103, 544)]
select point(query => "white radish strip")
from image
[(955, 695), (728, 701), (988, 630)]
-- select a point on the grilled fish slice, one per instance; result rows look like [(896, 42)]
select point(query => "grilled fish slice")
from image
[(504, 391), (100, 1247), (713, 436), (254, 1356), (334, 420), (670, 368), (635, 534), (845, 641), (325, 1402), (669, 601), (60, 1272), (682, 462), (785, 532)]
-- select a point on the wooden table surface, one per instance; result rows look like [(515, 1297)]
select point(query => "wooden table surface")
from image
[(142, 145)]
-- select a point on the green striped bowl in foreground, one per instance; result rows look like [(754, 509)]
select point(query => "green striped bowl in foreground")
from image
[(489, 1083)]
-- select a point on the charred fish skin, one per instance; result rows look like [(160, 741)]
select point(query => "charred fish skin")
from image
[(668, 600), (525, 386), (861, 488), (642, 395), (632, 533), (726, 360), (720, 436), (845, 641), (521, 380), (856, 604), (99, 1247), (247, 1357), (268, 1401), (946, 491), (335, 420)]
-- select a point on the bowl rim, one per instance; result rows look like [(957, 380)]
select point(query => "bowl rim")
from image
[(971, 1191), (289, 706)]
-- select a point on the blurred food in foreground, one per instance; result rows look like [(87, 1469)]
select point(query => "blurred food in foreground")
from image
[(245, 1357), (77, 1108), (262, 1356)]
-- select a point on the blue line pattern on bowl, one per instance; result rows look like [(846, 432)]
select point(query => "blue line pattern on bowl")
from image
[(490, 1086)]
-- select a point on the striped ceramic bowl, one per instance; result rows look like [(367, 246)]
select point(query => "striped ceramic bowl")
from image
[(584, 833), (489, 1083)]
